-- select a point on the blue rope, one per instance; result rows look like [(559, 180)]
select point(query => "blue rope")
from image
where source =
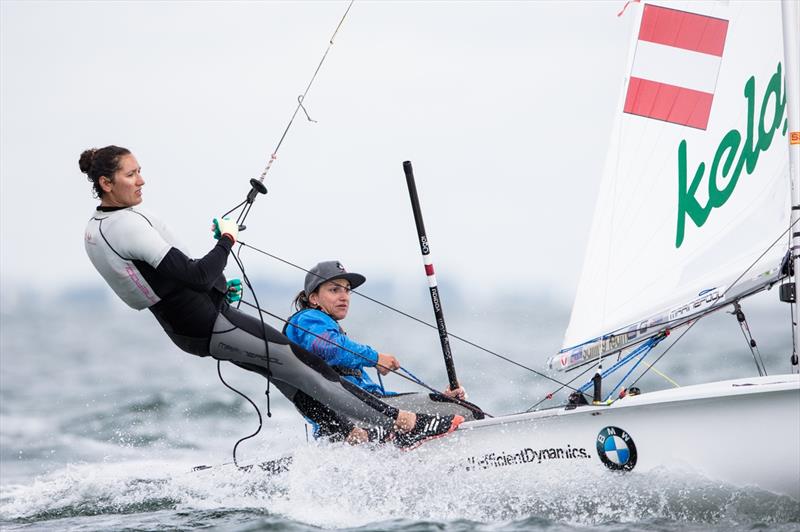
[(654, 343), (410, 375), (380, 382), (646, 347), (414, 377)]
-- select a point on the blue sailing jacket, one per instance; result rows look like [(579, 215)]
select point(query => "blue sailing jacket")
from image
[(326, 339)]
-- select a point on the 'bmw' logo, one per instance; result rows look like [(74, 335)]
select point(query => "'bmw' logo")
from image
[(616, 449)]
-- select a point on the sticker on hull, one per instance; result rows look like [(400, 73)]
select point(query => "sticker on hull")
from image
[(616, 449), (526, 456)]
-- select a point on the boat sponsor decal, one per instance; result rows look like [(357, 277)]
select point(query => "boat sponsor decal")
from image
[(526, 456), (437, 306), (616, 449), (758, 138), (706, 300), (423, 244)]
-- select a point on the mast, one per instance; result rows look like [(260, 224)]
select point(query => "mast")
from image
[(791, 22)]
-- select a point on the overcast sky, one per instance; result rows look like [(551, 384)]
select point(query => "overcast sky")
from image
[(504, 109)]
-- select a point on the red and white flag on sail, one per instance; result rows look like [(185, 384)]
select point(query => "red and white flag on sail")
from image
[(675, 66)]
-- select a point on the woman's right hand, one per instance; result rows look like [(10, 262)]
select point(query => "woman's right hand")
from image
[(459, 393), (386, 363)]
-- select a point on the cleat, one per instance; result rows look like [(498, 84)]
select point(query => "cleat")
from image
[(427, 428)]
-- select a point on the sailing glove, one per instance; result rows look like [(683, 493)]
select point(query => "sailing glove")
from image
[(224, 226), (234, 291)]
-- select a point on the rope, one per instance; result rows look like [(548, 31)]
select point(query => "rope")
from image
[(302, 97), (644, 348), (645, 352), (258, 412), (550, 395), (248, 204), (419, 320), (667, 350), (748, 337), (666, 378), (323, 338)]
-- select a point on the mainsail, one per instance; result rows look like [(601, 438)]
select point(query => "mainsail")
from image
[(695, 189)]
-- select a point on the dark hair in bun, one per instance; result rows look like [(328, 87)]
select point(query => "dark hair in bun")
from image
[(96, 163)]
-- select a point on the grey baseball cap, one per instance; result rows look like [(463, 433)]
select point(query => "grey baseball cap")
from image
[(328, 271)]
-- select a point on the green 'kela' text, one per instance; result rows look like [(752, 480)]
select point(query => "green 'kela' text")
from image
[(726, 155)]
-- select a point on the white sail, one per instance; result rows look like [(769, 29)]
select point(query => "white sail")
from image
[(695, 187)]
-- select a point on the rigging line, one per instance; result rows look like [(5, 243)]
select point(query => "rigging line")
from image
[(642, 355), (260, 419), (266, 350), (302, 97), (761, 256), (667, 350), (240, 263), (230, 211), (748, 337), (621, 361), (666, 378), (792, 324), (248, 204), (550, 395), (759, 363), (418, 320), (323, 338), (245, 212)]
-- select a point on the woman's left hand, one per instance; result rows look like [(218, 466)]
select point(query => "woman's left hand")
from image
[(234, 292)]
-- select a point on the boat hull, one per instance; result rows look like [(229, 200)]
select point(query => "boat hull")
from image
[(743, 432)]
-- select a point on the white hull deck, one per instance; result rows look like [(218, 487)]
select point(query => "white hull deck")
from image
[(744, 432)]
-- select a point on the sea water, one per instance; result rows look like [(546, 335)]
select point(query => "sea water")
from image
[(102, 421)]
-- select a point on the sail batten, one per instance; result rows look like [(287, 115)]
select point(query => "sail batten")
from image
[(694, 190)]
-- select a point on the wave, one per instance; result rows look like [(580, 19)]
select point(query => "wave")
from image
[(336, 486)]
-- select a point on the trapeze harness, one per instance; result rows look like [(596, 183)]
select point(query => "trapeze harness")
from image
[(147, 267)]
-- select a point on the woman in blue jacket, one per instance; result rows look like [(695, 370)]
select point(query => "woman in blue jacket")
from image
[(324, 301)]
